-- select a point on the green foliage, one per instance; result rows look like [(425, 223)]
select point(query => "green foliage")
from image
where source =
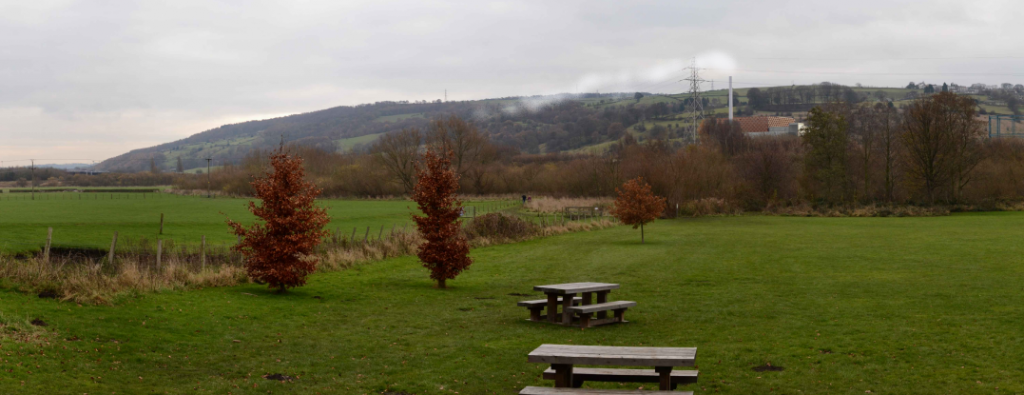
[(896, 312), (825, 159)]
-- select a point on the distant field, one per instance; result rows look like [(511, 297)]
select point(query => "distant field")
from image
[(353, 142), (90, 220)]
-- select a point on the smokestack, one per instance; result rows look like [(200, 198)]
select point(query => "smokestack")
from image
[(730, 98)]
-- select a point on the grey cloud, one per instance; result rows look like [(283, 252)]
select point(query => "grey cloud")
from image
[(104, 76)]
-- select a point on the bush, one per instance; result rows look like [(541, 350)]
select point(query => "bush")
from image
[(500, 226)]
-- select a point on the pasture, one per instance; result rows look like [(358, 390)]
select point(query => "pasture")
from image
[(89, 220), (843, 305)]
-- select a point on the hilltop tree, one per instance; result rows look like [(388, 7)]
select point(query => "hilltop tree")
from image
[(279, 247), (637, 205), (638, 96), (445, 251)]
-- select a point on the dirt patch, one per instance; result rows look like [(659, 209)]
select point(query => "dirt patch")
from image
[(465, 309), (48, 294), (768, 368), (38, 322), (825, 351), (318, 297), (518, 294), (278, 377)]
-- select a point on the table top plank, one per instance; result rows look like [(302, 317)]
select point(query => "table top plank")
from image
[(575, 288), (607, 355)]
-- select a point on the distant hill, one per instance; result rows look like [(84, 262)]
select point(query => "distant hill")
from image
[(536, 124)]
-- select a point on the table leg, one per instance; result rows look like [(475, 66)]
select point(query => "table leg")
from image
[(602, 297), (587, 298), (563, 375), (664, 377), (552, 308), (566, 311)]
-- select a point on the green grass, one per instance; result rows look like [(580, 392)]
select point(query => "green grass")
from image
[(90, 220), (845, 305), (347, 144)]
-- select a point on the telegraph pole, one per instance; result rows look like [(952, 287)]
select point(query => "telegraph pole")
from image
[(730, 99), (208, 177), (33, 178)]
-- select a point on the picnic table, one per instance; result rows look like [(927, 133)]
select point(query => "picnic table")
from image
[(584, 306), (563, 358)]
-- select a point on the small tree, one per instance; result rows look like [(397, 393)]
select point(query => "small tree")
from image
[(279, 247), (445, 251), (636, 205)]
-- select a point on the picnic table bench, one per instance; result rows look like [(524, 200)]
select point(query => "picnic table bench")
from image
[(568, 379), (564, 295)]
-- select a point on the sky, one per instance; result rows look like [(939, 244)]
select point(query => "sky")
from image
[(83, 81)]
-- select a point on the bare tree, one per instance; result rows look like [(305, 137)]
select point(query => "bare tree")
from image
[(458, 138), (965, 132), (397, 152), (941, 139), (889, 145)]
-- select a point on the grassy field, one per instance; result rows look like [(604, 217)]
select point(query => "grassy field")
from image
[(92, 221), (844, 305)]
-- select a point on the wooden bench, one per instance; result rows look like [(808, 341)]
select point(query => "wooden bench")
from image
[(580, 375), (581, 391), (536, 306), (585, 311)]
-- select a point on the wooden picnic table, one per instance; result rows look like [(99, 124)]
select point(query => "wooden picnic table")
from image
[(663, 359), (568, 291)]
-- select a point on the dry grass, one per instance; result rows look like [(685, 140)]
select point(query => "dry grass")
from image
[(708, 207), (558, 205), (872, 210)]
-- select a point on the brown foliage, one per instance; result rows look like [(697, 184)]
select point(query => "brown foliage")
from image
[(445, 251), (636, 205), (279, 247)]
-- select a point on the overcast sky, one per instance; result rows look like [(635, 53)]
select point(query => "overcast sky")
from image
[(94, 79)]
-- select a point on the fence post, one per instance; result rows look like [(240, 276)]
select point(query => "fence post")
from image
[(49, 238), (353, 238), (202, 255), (367, 235), (161, 221), (159, 252), (381, 233), (113, 244)]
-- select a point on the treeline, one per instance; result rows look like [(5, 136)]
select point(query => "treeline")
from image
[(802, 97), (930, 152)]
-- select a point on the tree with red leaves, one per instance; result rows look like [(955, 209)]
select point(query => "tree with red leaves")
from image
[(445, 251), (636, 205), (279, 251)]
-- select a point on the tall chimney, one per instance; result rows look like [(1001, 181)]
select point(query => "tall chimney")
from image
[(730, 98)]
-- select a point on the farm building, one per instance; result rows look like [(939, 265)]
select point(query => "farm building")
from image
[(763, 126)]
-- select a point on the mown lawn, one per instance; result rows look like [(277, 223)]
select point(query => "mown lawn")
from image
[(90, 219), (845, 305)]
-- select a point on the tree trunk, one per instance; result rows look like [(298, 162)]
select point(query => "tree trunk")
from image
[(641, 233), (281, 289), (441, 284)]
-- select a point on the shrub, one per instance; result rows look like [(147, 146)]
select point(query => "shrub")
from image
[(500, 226)]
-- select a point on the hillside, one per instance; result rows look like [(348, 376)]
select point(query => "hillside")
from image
[(537, 124)]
